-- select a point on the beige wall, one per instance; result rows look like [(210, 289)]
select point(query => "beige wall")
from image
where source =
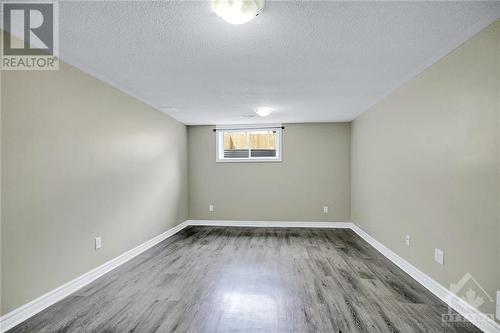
[(81, 159), (314, 173), (425, 162)]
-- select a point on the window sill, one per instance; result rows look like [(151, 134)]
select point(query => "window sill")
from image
[(245, 160)]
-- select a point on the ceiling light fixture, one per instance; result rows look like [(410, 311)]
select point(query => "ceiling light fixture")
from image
[(237, 11), (263, 111)]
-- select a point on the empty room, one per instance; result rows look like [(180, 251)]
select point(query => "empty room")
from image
[(250, 166)]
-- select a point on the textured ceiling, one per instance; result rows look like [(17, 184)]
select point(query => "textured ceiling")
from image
[(311, 61)]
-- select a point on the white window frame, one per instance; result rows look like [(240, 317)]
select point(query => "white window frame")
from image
[(219, 143)]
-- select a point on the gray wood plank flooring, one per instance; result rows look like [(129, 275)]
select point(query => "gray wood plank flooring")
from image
[(232, 279)]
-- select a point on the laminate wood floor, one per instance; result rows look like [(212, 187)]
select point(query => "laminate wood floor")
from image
[(231, 279)]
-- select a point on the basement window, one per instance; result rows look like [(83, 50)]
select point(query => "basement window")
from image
[(254, 143)]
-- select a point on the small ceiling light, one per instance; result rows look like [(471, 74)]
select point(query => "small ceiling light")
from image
[(263, 111), (237, 11)]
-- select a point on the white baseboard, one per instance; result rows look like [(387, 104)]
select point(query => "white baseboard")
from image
[(476, 317), (26, 311), (30, 309), (271, 224)]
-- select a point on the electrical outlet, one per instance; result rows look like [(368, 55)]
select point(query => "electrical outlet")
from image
[(325, 209), (498, 305), (439, 256), (407, 240), (210, 208), (98, 243)]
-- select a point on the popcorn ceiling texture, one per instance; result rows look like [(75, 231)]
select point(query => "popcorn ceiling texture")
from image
[(311, 61)]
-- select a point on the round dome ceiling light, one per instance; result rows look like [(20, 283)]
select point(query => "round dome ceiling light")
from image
[(263, 111), (237, 11)]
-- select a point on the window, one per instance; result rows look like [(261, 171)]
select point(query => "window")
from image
[(252, 144)]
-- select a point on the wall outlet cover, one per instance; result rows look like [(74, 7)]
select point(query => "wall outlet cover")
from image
[(98, 243), (439, 256), (210, 208), (325, 209), (407, 240)]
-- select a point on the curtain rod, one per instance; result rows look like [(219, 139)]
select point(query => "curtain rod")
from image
[(246, 128)]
